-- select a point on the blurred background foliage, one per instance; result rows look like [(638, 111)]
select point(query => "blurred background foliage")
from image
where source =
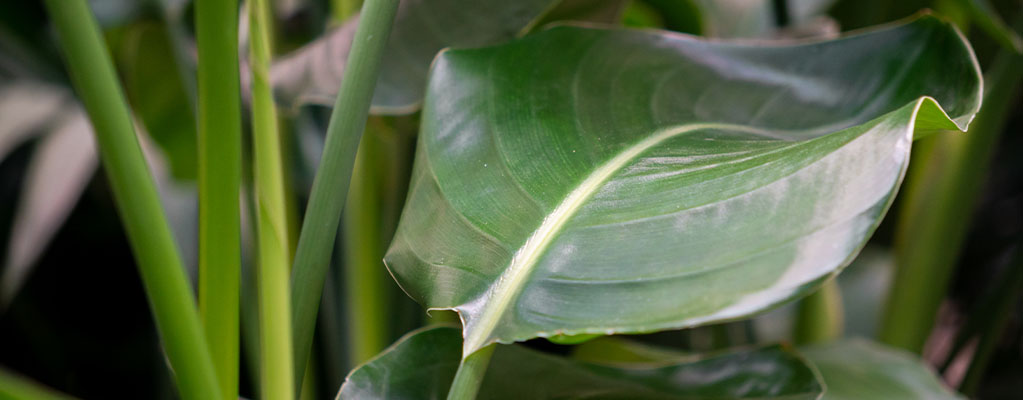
[(74, 317)]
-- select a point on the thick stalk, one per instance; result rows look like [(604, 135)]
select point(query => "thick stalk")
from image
[(159, 262), (820, 317), (276, 359), (366, 281), (216, 24), (470, 374), (945, 176), (330, 187)]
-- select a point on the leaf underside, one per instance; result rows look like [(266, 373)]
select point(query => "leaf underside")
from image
[(422, 364), (612, 181)]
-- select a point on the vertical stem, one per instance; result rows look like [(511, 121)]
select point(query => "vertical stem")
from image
[(330, 187), (944, 178), (820, 317), (276, 359), (1007, 291), (470, 374), (340, 10), (219, 185), (367, 283), (163, 276)]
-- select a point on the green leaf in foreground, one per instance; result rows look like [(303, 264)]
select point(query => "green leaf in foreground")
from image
[(422, 364), (859, 369), (313, 73), (588, 181)]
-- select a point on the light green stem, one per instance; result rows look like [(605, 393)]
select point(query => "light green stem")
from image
[(219, 185), (330, 187), (16, 387), (470, 374), (340, 10), (159, 262), (276, 358), (820, 317), (945, 176)]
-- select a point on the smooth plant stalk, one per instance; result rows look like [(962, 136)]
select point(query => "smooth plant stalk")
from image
[(820, 317), (366, 281), (470, 374), (330, 186), (170, 297), (945, 176), (340, 10), (276, 359), (219, 147)]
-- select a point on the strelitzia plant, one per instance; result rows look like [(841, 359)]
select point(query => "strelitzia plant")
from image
[(572, 182)]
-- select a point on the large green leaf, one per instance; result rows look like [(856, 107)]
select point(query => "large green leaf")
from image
[(598, 181), (312, 74), (422, 364), (859, 369)]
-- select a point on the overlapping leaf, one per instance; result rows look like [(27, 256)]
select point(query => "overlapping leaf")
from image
[(600, 181), (422, 365), (858, 369), (421, 29)]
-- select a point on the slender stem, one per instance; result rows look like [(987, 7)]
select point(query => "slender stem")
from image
[(340, 10), (330, 187), (159, 262), (219, 185), (1007, 291), (945, 176), (276, 358), (470, 374), (820, 317), (366, 280)]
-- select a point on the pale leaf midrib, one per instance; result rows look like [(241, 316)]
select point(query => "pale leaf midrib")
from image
[(523, 262)]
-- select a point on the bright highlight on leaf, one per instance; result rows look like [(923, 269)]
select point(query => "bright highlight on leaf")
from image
[(589, 181)]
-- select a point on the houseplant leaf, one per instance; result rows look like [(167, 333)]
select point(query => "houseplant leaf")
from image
[(312, 74), (602, 181), (421, 365), (860, 369)]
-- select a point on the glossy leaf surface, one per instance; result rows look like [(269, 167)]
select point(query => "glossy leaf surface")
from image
[(859, 369), (601, 181), (312, 74), (422, 364)]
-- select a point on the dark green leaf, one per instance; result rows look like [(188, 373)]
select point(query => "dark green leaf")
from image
[(587, 181), (422, 364), (859, 369)]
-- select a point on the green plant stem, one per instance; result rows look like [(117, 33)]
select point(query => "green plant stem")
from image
[(945, 176), (366, 280), (163, 276), (219, 185), (13, 386), (1007, 291), (820, 318), (470, 374), (330, 186), (340, 10), (276, 359)]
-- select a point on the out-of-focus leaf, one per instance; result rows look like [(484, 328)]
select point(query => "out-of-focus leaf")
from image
[(422, 364), (158, 96), (860, 369), (737, 18), (62, 165), (598, 11), (616, 350), (26, 107), (679, 15), (588, 181), (312, 74)]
